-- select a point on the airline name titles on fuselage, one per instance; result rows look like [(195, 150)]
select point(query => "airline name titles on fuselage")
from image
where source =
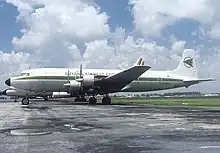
[(88, 73)]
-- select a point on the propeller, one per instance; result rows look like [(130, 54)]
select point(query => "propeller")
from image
[(68, 75), (80, 71), (80, 79)]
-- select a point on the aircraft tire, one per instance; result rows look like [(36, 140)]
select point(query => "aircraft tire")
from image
[(25, 101), (76, 99), (82, 99), (106, 101), (92, 100), (46, 98)]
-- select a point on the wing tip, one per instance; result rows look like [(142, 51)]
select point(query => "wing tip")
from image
[(144, 66)]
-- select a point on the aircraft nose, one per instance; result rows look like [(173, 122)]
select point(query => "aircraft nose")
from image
[(8, 82)]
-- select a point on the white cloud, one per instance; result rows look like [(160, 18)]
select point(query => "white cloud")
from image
[(215, 31), (124, 51), (151, 16), (51, 30), (178, 47), (12, 64)]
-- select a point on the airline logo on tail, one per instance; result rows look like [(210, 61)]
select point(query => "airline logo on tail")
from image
[(188, 62)]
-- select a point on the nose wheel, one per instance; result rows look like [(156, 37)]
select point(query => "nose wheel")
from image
[(25, 101)]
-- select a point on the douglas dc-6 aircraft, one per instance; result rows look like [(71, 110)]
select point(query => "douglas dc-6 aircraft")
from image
[(19, 93), (92, 82)]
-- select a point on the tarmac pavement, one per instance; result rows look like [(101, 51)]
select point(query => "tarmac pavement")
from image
[(62, 126)]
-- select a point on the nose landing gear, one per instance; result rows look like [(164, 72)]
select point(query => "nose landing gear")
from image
[(25, 101)]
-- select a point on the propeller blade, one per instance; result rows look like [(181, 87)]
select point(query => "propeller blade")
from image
[(80, 72), (68, 75)]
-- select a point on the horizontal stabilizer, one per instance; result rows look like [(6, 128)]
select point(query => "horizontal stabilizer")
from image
[(201, 80), (208, 79), (191, 82)]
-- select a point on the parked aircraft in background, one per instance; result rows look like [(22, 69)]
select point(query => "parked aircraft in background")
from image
[(14, 92), (91, 82)]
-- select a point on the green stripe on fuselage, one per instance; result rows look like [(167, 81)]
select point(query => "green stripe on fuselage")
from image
[(48, 78), (98, 77)]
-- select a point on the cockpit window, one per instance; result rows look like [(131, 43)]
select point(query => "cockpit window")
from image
[(25, 74)]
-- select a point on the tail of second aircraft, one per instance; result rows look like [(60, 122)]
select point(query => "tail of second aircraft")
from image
[(140, 61), (187, 66)]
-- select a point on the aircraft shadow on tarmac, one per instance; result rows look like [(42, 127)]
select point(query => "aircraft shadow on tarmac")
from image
[(69, 102), (42, 105)]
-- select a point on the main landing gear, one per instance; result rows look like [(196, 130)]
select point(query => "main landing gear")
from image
[(46, 98), (81, 98), (25, 101), (92, 100), (106, 100)]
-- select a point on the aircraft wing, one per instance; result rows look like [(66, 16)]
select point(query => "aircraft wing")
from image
[(117, 81)]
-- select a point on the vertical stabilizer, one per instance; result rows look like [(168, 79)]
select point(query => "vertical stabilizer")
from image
[(187, 66)]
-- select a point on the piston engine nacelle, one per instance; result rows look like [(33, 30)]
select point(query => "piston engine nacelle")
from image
[(88, 80), (80, 83), (61, 95), (11, 92), (72, 86)]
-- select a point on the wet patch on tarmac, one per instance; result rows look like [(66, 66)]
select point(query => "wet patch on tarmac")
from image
[(52, 127)]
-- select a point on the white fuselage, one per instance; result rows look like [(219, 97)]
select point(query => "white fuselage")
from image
[(53, 79)]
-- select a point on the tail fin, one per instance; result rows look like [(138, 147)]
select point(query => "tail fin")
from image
[(140, 61), (187, 66)]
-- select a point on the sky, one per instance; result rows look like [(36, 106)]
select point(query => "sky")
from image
[(109, 34)]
